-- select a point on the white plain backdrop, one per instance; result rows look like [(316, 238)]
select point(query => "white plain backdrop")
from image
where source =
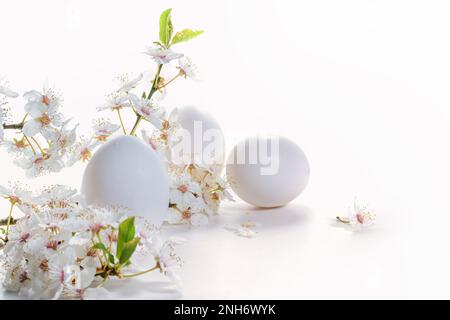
[(361, 86)]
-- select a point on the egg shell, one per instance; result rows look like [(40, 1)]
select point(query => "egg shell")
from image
[(126, 172), (188, 117), (254, 182)]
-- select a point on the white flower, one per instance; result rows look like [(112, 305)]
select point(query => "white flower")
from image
[(116, 102), (165, 255), (158, 144), (183, 190), (149, 111), (188, 213), (359, 216), (46, 98), (18, 195), (171, 129), (78, 285), (103, 129), (16, 147), (8, 92), (62, 268), (57, 196), (39, 164), (162, 55), (82, 151), (129, 85), (98, 218), (243, 230), (44, 110), (63, 139), (187, 68)]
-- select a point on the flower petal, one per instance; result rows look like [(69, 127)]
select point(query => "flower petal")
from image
[(31, 128)]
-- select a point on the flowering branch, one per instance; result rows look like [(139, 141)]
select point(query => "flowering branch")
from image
[(68, 249)]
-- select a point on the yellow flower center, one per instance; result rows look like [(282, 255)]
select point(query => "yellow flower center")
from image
[(85, 154), (45, 119)]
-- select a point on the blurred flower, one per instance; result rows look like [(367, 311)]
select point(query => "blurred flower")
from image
[(162, 55), (128, 85), (44, 110), (17, 195), (4, 90), (187, 68), (103, 129), (39, 164), (63, 139), (149, 111), (158, 144), (82, 151), (116, 102), (359, 216), (37, 100), (16, 147), (243, 230)]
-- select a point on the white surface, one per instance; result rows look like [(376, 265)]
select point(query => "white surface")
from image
[(361, 86)]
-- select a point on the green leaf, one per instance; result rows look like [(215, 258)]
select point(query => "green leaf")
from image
[(126, 234), (102, 247), (165, 27), (186, 35), (128, 250)]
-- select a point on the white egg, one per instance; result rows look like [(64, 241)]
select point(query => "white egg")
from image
[(267, 172), (126, 172), (205, 140)]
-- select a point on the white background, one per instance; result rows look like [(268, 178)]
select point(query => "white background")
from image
[(361, 86)]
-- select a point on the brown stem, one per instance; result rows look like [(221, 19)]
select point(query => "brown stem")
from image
[(343, 220), (15, 126)]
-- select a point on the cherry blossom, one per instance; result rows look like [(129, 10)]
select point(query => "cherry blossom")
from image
[(162, 55)]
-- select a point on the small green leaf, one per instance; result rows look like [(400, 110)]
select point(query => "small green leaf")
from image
[(128, 250), (165, 27), (102, 247), (126, 234), (186, 35)]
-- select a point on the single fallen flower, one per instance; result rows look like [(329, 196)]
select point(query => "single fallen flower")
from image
[(243, 230), (359, 216)]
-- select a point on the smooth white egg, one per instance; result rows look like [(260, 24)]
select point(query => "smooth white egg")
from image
[(126, 172), (267, 172), (205, 142)]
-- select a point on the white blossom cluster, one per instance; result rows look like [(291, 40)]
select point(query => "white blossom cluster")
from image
[(44, 140), (195, 194), (62, 248)]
